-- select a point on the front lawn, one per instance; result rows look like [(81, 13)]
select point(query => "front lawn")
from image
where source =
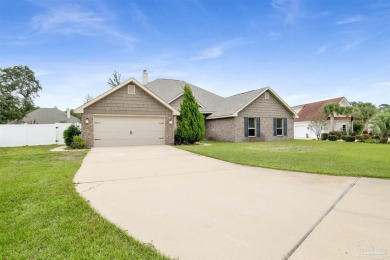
[(42, 216), (325, 157)]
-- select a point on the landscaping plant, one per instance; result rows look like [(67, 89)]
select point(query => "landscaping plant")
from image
[(78, 142), (70, 132), (191, 127), (381, 125), (332, 137)]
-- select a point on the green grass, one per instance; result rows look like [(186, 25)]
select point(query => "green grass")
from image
[(324, 157), (42, 216)]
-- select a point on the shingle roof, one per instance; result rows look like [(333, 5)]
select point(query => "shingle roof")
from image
[(169, 90), (312, 110), (233, 104), (48, 116)]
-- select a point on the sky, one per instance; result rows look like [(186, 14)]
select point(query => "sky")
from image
[(304, 50)]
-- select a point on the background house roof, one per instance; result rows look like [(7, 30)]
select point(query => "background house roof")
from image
[(312, 110), (170, 89), (48, 116)]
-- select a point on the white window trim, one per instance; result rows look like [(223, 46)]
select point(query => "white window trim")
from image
[(131, 89), (254, 119), (282, 127)]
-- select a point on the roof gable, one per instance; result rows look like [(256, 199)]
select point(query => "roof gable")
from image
[(311, 110), (135, 82), (231, 106)]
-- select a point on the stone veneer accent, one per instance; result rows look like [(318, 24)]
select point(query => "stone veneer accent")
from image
[(232, 129), (122, 103)]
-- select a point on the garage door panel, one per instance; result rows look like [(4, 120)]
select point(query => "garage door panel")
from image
[(125, 131)]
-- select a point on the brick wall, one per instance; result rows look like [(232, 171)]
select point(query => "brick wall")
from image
[(232, 129), (220, 129)]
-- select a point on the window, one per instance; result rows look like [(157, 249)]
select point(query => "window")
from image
[(266, 95), (279, 126), (344, 128), (131, 89), (251, 127)]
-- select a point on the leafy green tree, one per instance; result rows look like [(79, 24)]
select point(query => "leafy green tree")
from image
[(383, 107), (365, 111), (18, 89), (115, 80), (191, 127), (381, 125), (331, 110)]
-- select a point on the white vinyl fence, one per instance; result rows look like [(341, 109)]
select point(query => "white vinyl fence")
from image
[(35, 134)]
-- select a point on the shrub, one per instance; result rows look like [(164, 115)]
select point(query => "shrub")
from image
[(350, 139), (70, 132), (339, 134), (191, 127), (358, 127), (344, 137), (369, 141), (324, 136), (332, 138), (363, 137), (78, 142)]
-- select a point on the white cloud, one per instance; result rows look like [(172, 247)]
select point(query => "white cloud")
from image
[(290, 8), (351, 44), (211, 53), (348, 20), (71, 20), (64, 18), (218, 50)]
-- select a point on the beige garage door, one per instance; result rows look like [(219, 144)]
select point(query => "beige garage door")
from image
[(126, 130)]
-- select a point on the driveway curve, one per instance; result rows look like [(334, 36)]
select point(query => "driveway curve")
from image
[(194, 207)]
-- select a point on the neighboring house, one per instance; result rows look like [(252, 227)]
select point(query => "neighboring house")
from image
[(312, 111), (48, 116), (141, 114)]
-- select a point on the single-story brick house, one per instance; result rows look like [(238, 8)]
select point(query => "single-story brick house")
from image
[(143, 114)]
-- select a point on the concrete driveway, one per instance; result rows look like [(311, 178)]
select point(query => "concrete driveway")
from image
[(194, 207)]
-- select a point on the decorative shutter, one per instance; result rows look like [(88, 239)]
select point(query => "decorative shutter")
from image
[(258, 126), (275, 125), (285, 126), (246, 123)]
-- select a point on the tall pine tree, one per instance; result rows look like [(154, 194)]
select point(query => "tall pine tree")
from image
[(191, 126)]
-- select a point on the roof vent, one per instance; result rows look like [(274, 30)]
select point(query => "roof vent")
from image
[(144, 77)]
